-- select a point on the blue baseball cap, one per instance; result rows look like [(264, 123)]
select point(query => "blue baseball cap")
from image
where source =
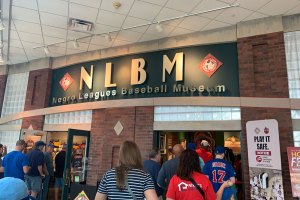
[(13, 188), (191, 146), (219, 150), (40, 143)]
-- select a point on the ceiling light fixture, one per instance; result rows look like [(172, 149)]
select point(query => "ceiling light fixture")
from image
[(159, 27), (46, 50), (75, 44), (108, 37)]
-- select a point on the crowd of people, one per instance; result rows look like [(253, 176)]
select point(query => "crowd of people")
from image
[(194, 173), (180, 178), (29, 173)]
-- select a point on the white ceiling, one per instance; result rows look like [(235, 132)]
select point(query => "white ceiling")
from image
[(39, 23)]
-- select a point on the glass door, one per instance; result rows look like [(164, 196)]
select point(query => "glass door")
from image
[(76, 160)]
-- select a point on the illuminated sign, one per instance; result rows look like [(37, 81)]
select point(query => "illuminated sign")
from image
[(209, 70)]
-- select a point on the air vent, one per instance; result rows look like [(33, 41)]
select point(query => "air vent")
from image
[(80, 25)]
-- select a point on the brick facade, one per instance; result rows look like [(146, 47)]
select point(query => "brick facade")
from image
[(3, 79), (263, 73), (37, 96), (105, 143)]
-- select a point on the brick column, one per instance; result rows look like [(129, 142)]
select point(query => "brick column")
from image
[(144, 129), (263, 73), (137, 125), (3, 79), (37, 96)]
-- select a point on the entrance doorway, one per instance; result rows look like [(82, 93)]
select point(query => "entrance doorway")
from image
[(231, 140), (76, 164), (76, 144)]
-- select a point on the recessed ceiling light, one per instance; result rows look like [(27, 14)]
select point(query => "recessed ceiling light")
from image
[(116, 5)]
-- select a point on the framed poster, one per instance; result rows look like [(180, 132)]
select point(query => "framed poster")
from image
[(163, 144), (264, 160), (294, 167)]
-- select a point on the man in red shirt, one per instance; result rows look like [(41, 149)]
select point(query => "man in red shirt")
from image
[(204, 152)]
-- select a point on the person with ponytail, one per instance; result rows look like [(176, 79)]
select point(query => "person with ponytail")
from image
[(128, 180)]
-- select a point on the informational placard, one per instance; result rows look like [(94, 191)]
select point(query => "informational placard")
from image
[(294, 166), (264, 159)]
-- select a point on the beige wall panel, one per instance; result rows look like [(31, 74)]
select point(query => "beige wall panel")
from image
[(295, 104), (259, 26), (265, 102), (227, 34), (167, 101), (18, 68), (291, 23), (82, 57), (234, 125), (144, 47), (65, 127), (39, 64), (123, 103), (198, 101), (59, 62)]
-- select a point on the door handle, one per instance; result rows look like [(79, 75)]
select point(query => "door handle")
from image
[(67, 183)]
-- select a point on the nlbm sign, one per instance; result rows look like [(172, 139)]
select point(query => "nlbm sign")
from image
[(193, 71)]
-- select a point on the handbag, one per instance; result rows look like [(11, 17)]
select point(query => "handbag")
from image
[(129, 190), (198, 187)]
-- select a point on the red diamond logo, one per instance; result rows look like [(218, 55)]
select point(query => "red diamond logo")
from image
[(66, 81), (209, 65)]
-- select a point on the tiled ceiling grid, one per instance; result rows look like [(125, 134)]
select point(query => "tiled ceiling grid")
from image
[(38, 23)]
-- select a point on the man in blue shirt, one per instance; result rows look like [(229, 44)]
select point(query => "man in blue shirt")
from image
[(35, 175), (50, 168), (15, 163), (219, 170), (3, 152), (152, 166)]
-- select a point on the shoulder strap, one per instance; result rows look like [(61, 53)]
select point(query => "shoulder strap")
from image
[(198, 187), (129, 190)]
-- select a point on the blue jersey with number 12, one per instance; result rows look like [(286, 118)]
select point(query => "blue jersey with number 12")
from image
[(218, 171)]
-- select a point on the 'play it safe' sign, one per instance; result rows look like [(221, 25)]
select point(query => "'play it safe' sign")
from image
[(264, 160), (263, 144)]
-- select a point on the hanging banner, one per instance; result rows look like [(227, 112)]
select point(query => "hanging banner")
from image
[(294, 166), (264, 159)]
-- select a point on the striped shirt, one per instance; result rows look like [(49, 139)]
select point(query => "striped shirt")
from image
[(138, 180)]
